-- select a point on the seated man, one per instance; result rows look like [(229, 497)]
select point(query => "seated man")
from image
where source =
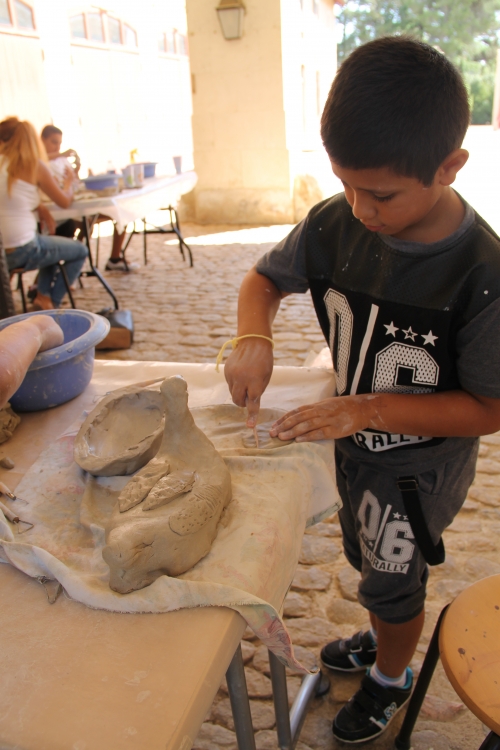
[(59, 166)]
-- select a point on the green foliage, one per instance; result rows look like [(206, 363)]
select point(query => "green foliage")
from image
[(466, 31)]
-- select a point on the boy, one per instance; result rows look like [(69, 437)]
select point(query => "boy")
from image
[(405, 279), (60, 166)]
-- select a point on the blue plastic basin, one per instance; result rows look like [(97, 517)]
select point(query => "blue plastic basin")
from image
[(101, 181), (58, 375)]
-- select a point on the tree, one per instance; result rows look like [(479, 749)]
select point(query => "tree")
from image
[(466, 31)]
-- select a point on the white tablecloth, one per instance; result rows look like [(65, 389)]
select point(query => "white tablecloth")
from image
[(129, 205)]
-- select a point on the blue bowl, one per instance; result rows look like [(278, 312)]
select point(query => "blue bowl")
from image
[(101, 181), (58, 375), (149, 168)]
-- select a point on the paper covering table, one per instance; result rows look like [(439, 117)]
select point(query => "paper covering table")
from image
[(74, 677), (129, 205)]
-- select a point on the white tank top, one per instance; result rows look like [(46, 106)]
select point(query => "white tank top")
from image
[(18, 223)]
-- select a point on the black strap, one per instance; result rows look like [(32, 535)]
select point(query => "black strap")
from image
[(433, 554)]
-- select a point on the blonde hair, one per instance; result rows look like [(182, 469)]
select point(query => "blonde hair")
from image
[(20, 145)]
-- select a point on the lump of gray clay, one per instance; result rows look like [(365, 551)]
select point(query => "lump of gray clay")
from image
[(168, 526), (8, 423), (122, 433)]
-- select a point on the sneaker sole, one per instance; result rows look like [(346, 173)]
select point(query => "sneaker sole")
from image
[(373, 736)]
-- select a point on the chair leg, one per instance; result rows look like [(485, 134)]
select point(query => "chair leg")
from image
[(144, 242), (21, 289), (66, 284), (492, 742), (402, 741), (97, 244)]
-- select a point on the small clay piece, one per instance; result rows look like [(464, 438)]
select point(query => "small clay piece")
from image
[(122, 433), (139, 486), (170, 538), (168, 488), (7, 463), (256, 436), (8, 423), (198, 510)]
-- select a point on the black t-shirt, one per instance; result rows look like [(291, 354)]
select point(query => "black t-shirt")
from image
[(399, 317)]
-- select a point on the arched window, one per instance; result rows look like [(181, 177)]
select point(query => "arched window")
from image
[(171, 42), (99, 28), (17, 15)]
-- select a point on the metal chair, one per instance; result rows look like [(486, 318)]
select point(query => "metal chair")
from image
[(466, 639), (19, 273)]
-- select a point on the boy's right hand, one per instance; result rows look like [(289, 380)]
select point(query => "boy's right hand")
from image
[(248, 370)]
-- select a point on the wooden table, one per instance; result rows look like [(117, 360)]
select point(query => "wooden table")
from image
[(73, 678)]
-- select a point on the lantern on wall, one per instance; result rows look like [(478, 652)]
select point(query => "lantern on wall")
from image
[(231, 14)]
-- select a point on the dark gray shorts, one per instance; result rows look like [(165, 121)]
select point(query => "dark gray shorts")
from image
[(378, 540)]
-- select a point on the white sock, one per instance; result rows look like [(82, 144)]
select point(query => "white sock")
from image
[(373, 634), (397, 682)]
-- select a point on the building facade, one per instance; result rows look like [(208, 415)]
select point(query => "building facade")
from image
[(114, 78)]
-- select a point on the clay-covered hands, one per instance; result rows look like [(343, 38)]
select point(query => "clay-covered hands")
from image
[(19, 345), (248, 370), (51, 334), (332, 418)]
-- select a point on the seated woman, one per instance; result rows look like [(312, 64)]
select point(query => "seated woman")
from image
[(22, 172)]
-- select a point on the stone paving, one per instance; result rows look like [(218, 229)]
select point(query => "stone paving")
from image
[(184, 314)]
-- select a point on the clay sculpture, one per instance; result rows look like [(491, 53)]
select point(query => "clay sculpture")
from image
[(122, 433), (166, 517)]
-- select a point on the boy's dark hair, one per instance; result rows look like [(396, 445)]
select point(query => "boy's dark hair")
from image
[(50, 130), (397, 103)]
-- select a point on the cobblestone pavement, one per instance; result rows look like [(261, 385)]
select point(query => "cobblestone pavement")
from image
[(184, 314)]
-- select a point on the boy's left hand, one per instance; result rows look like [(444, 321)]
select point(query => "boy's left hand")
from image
[(332, 418)]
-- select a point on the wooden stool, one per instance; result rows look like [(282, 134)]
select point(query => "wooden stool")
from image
[(20, 288), (466, 637)]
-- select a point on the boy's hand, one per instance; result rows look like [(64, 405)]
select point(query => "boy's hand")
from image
[(325, 420), (248, 370)]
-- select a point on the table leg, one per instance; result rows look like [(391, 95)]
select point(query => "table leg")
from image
[(240, 705), (174, 229), (87, 233), (288, 725)]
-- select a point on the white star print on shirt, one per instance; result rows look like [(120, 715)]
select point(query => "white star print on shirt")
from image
[(391, 329), (429, 338), (409, 334)]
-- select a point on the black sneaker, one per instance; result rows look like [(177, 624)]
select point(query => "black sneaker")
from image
[(370, 710), (350, 654)]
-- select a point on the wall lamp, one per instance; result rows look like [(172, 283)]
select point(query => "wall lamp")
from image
[(231, 14)]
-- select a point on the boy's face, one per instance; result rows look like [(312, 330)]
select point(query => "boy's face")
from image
[(52, 143), (387, 202)]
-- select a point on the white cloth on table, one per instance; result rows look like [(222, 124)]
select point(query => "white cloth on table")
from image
[(252, 561)]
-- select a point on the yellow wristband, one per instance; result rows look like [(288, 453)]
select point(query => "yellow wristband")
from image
[(234, 344)]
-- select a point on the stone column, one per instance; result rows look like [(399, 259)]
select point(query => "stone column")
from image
[(240, 149), (256, 103)]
